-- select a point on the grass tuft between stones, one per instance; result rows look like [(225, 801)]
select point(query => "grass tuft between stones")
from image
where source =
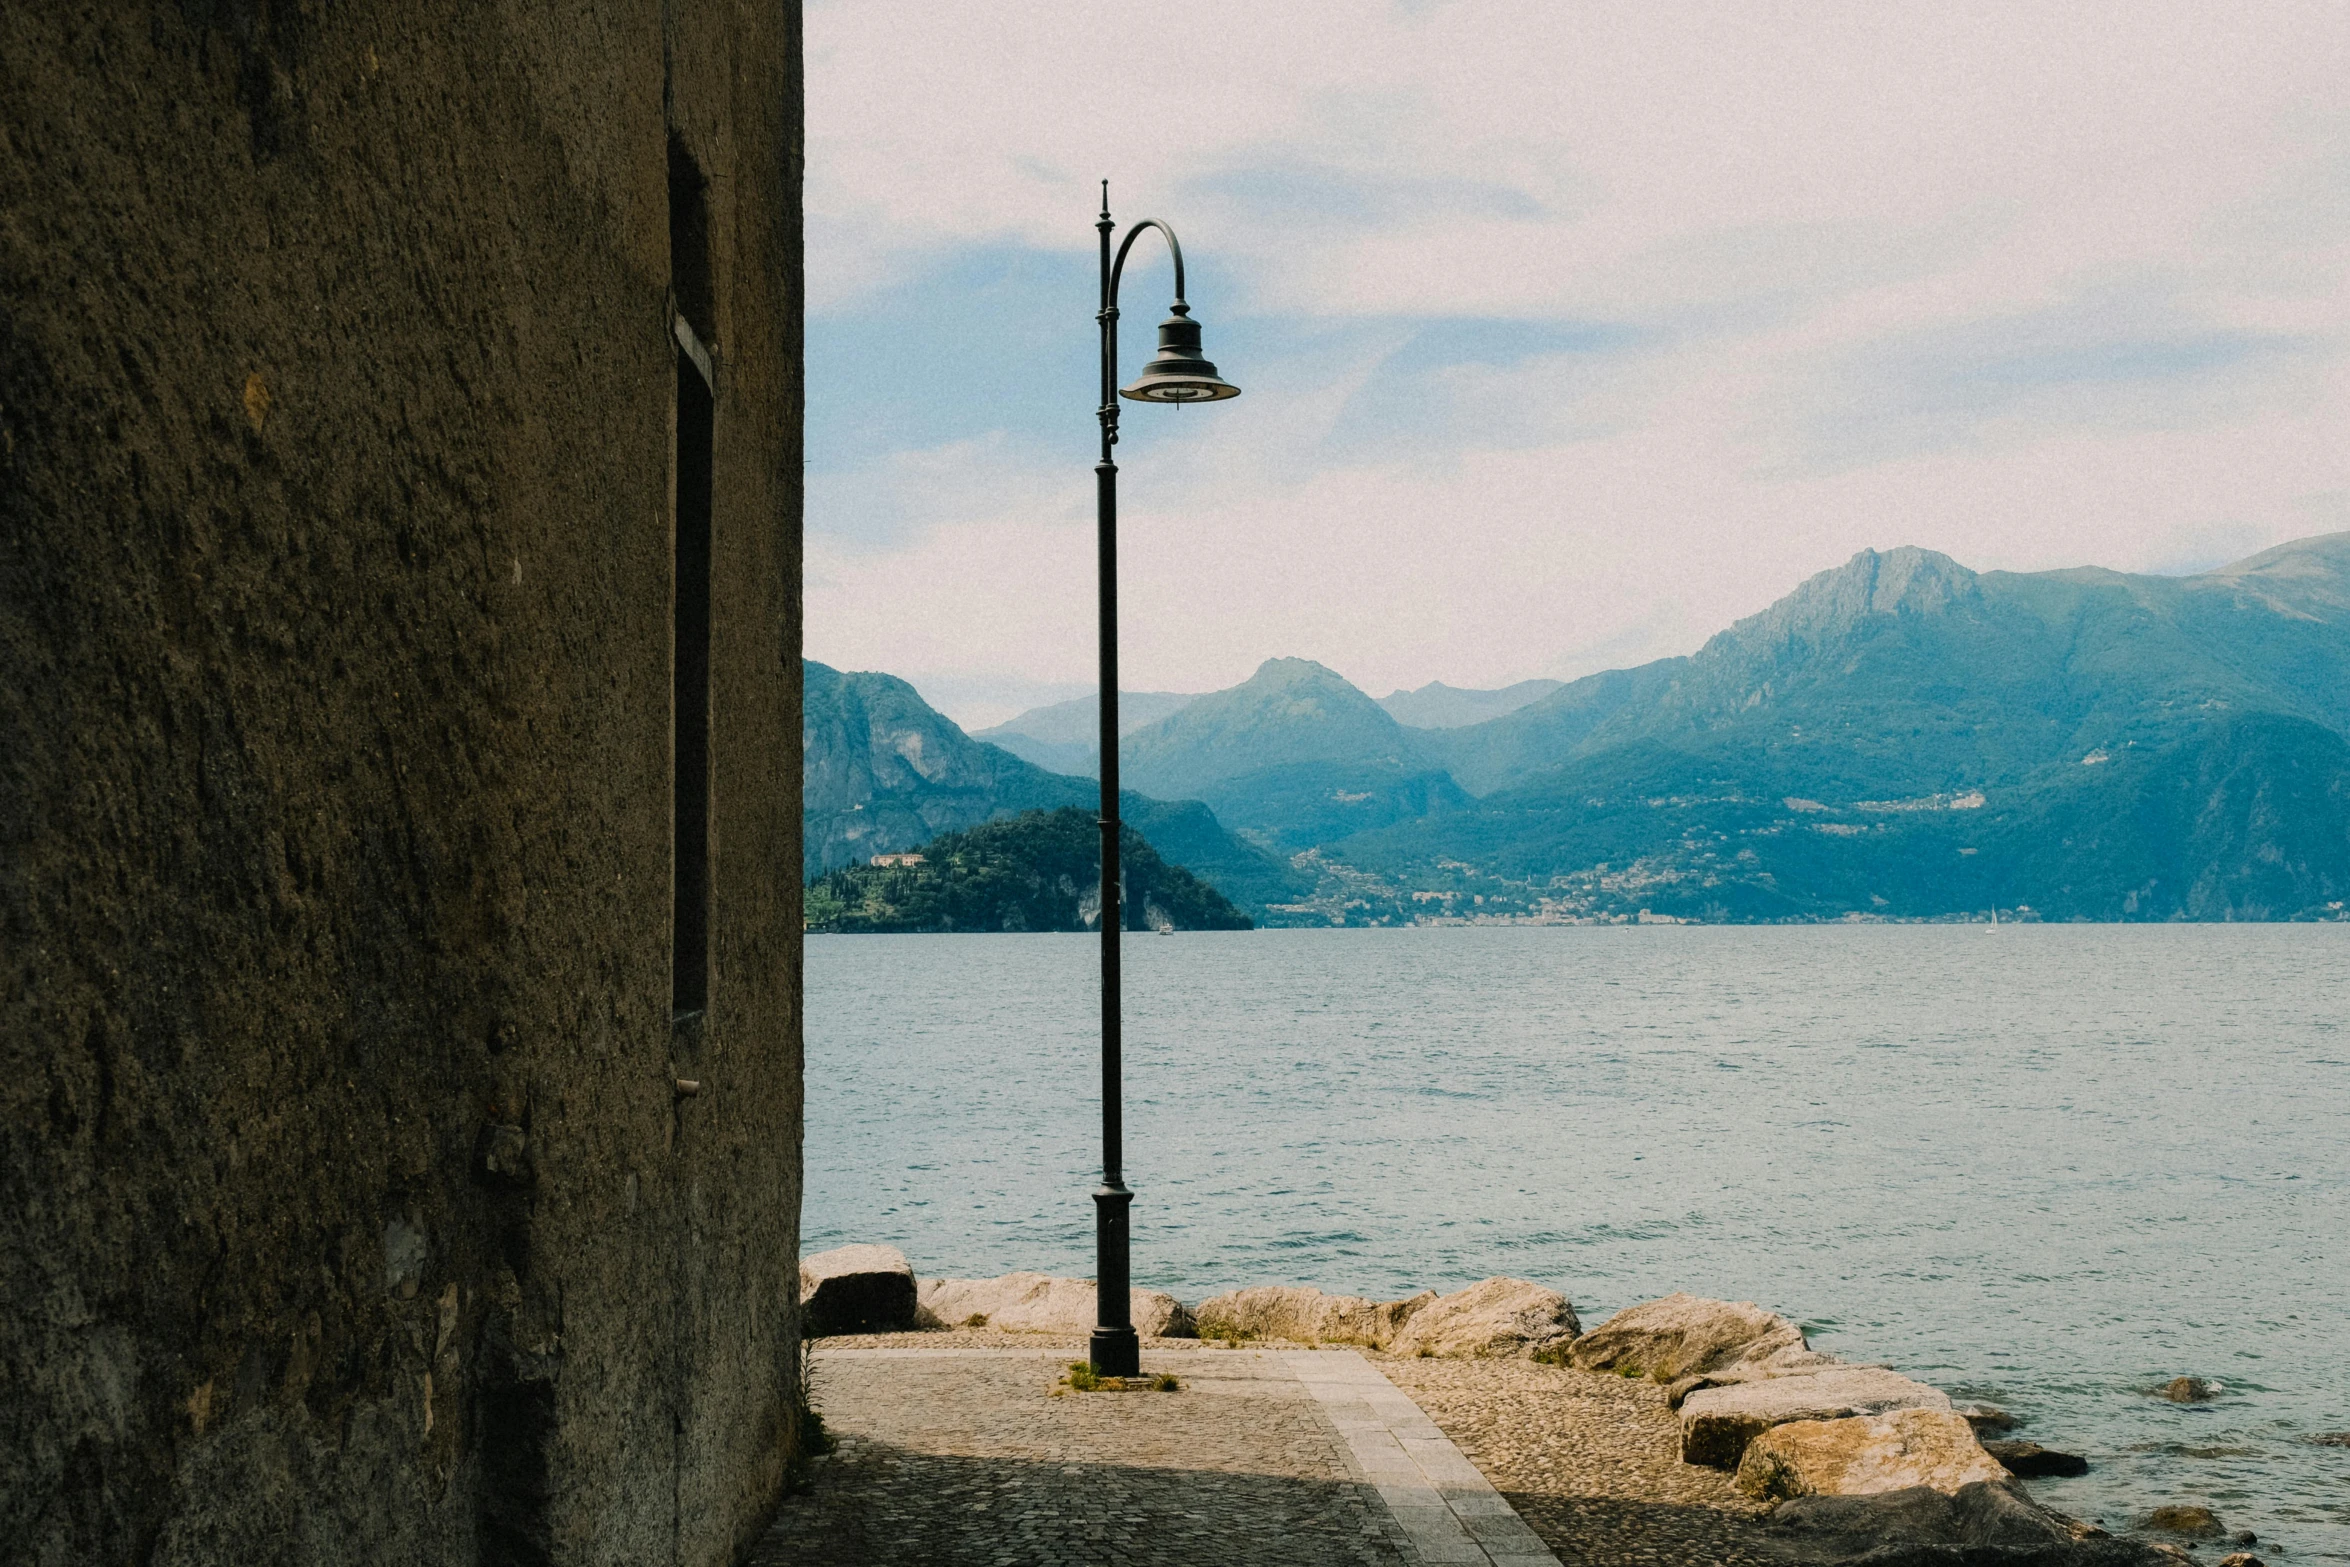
[(1082, 1378)]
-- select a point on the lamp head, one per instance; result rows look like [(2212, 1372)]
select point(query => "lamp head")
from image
[(1177, 373)]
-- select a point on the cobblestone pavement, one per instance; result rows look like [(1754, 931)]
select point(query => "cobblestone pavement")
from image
[(966, 1457), (1591, 1462)]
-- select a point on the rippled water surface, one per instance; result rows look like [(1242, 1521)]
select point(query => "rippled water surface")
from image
[(2050, 1166)]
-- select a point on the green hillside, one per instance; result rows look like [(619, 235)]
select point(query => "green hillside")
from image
[(1037, 871), (1303, 804), (1189, 834), (883, 772)]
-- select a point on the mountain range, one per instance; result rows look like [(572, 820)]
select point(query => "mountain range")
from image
[(1439, 706), (1064, 738), (1900, 736)]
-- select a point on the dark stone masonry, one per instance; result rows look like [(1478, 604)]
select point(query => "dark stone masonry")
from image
[(399, 780)]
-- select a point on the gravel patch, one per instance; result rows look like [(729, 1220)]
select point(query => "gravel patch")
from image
[(1591, 1462)]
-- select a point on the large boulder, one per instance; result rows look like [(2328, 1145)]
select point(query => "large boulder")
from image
[(1304, 1315), (1718, 1422), (1685, 1336), (1039, 1303), (1866, 1455), (857, 1289), (1494, 1317), (1918, 1525)]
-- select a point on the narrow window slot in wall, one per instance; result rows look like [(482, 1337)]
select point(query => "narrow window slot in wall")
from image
[(690, 929)]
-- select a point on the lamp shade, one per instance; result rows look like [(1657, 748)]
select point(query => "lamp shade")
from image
[(1177, 373)]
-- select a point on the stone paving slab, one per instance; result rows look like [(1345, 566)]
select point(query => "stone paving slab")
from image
[(1445, 1507), (964, 1455)]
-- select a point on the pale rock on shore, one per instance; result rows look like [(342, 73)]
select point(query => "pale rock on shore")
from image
[(1304, 1315), (1040, 1303), (1866, 1455), (1497, 1316), (1687, 1341), (1717, 1423)]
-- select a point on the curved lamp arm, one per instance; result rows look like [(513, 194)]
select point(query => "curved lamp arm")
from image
[(1118, 269), (1113, 273), (1178, 372)]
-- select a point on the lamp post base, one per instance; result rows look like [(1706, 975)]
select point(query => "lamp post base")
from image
[(1116, 1352)]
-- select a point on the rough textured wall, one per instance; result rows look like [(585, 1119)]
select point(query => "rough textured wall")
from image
[(348, 1207)]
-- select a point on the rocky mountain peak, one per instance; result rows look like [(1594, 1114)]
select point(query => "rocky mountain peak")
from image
[(865, 734), (1904, 581)]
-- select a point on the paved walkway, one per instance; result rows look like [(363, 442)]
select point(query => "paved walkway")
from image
[(1447, 1509), (1286, 1458)]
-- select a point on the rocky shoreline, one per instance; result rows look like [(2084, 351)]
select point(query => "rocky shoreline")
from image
[(1837, 1462)]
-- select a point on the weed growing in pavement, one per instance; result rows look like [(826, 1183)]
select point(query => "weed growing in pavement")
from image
[(809, 1440), (1082, 1378)]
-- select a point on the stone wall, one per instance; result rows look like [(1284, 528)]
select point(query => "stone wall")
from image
[(350, 1207)]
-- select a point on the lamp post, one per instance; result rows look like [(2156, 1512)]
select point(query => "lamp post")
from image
[(1176, 374)]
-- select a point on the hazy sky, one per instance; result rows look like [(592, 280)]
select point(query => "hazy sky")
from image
[(1567, 333)]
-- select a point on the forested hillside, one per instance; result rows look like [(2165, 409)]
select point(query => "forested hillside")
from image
[(1037, 871)]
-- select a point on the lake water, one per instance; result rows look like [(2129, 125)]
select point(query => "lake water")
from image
[(2047, 1166)]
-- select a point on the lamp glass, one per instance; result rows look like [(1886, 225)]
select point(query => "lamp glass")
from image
[(1154, 389)]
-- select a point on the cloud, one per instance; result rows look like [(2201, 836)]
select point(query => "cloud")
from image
[(2108, 359), (1559, 329), (1282, 191), (892, 502)]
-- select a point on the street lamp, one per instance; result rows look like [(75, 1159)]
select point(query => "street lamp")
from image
[(1176, 374)]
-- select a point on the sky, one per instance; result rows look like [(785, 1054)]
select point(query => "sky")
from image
[(1567, 334)]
